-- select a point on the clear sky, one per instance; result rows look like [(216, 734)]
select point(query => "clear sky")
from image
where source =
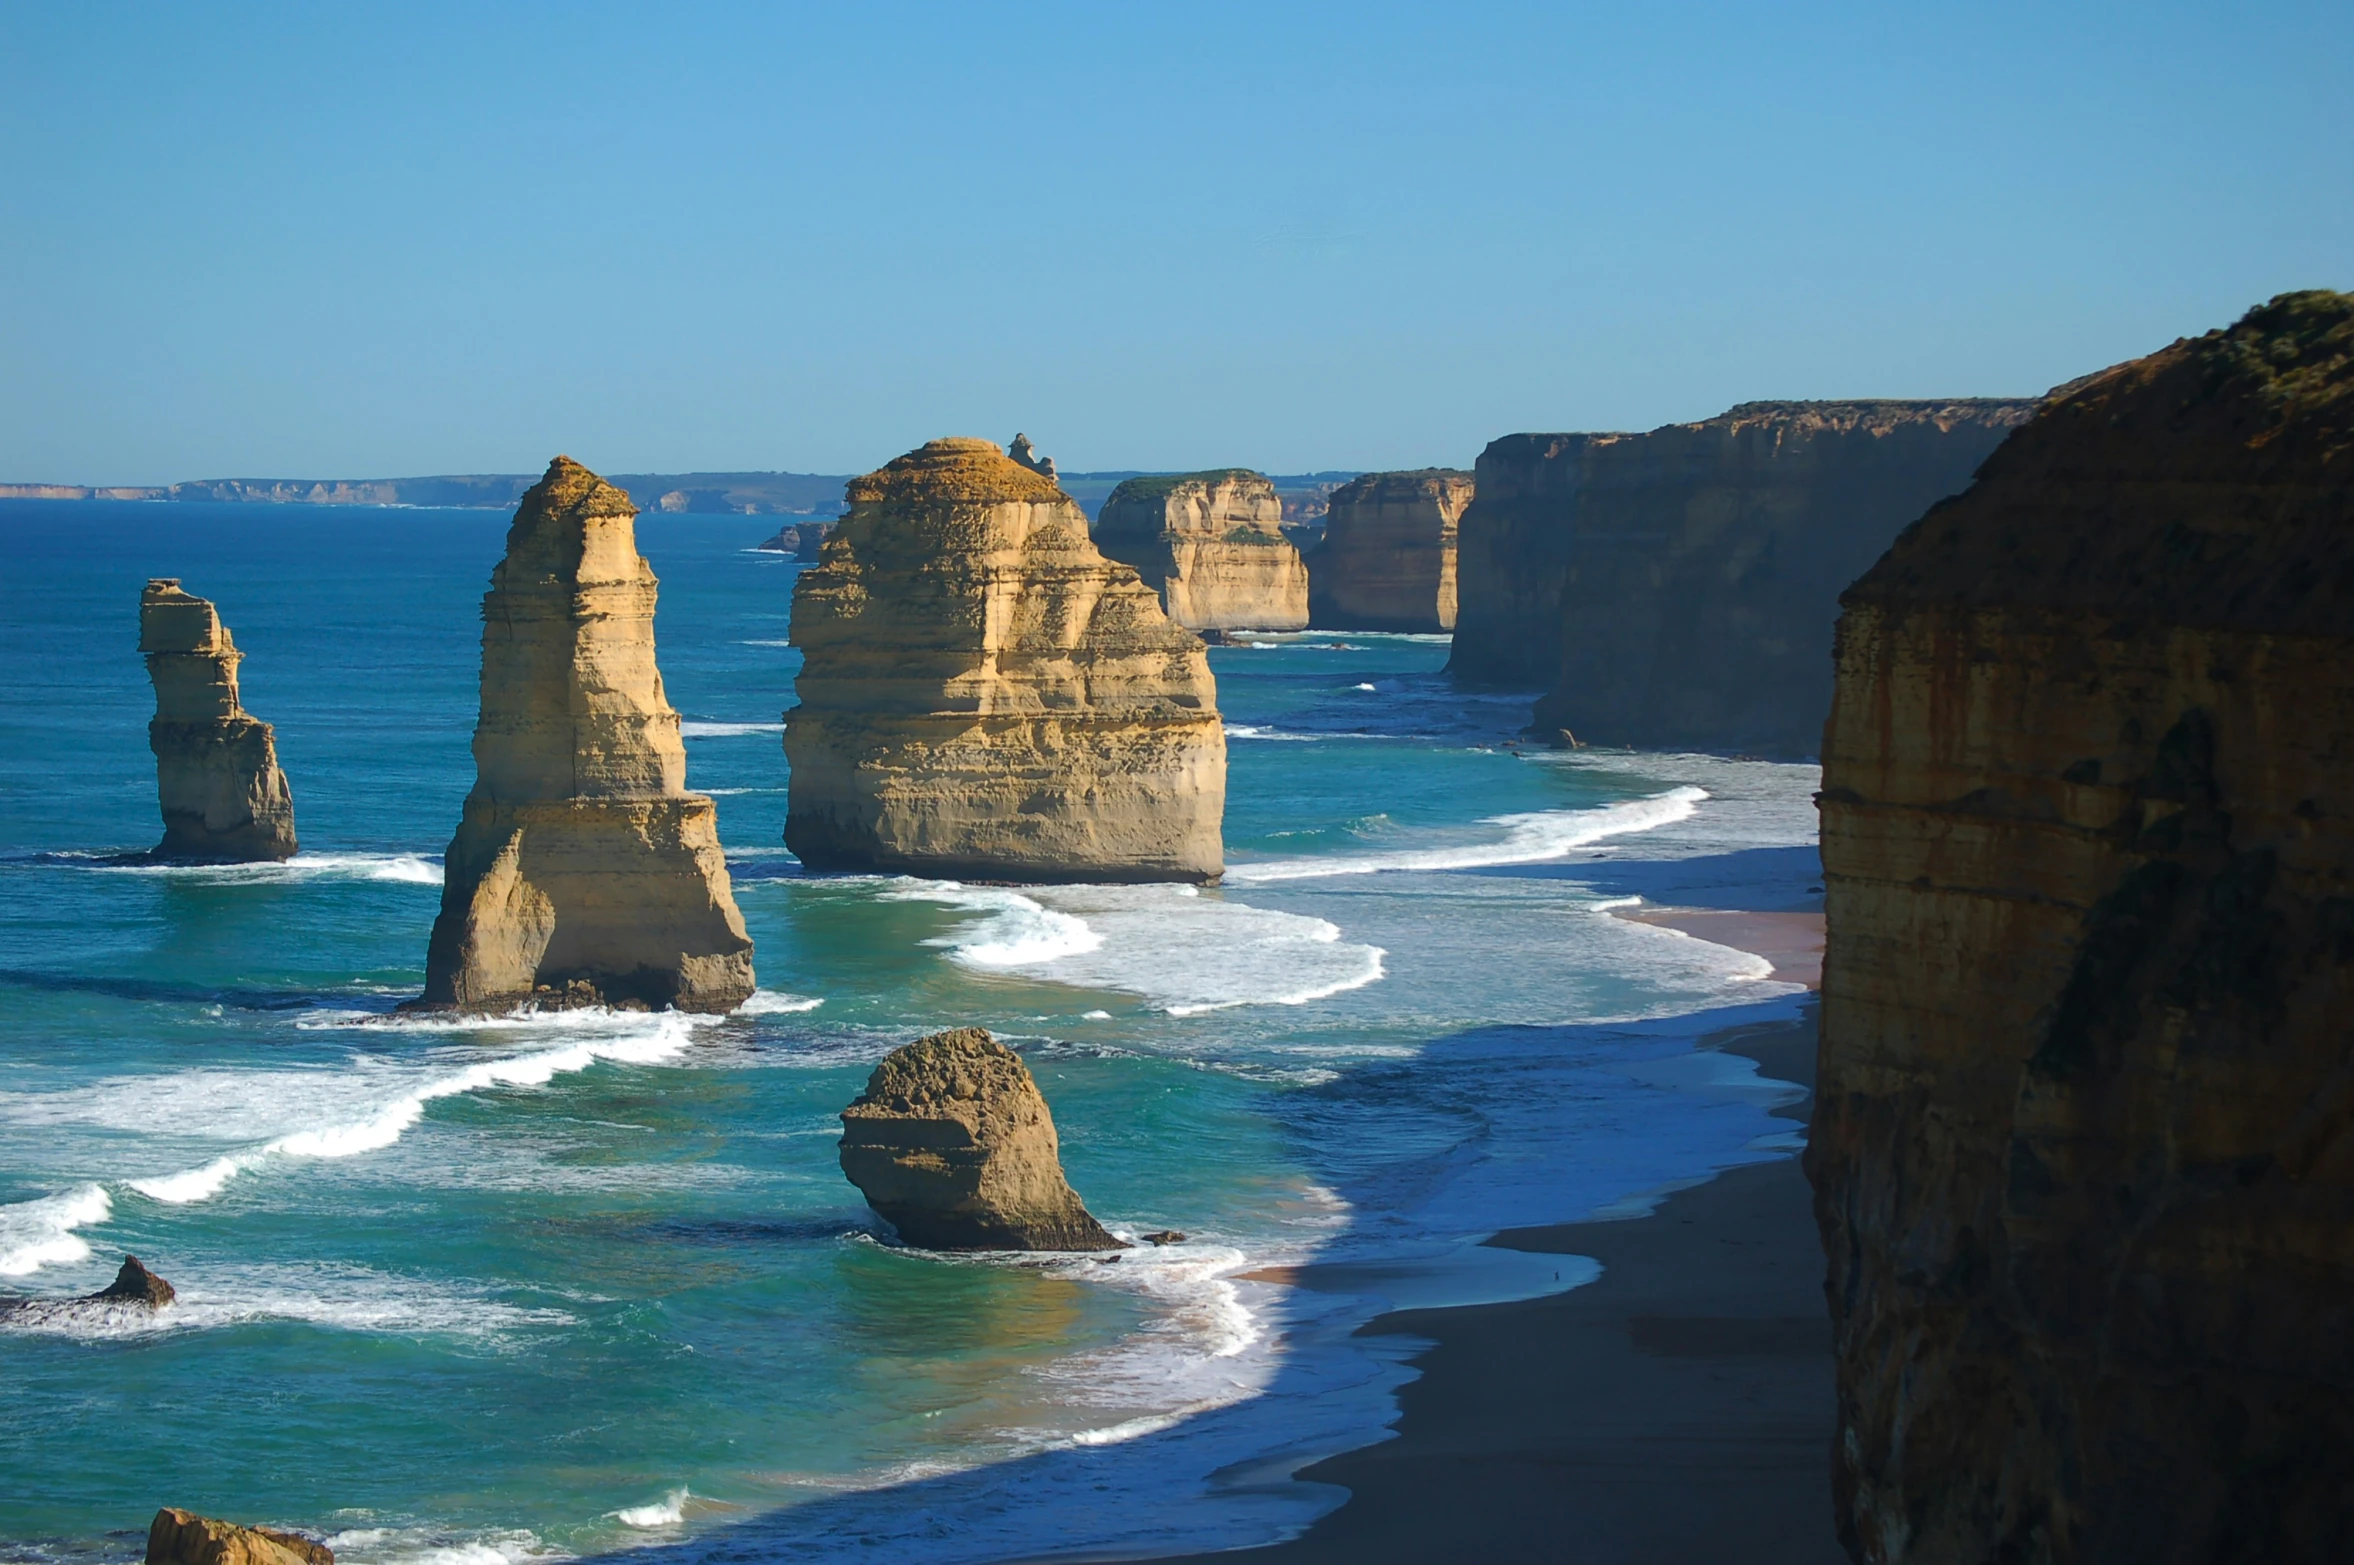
[(373, 241)]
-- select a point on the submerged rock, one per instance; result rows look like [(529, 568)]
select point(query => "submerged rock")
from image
[(1212, 545), (1387, 561), (952, 1144), (582, 870), (984, 695), (216, 765), (2084, 1150), (179, 1537)]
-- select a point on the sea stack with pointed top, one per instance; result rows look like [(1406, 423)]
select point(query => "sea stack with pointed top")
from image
[(216, 765), (583, 871), (953, 1144), (1212, 545), (2083, 1154), (985, 696)]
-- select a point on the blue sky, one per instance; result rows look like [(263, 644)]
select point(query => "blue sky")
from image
[(354, 241)]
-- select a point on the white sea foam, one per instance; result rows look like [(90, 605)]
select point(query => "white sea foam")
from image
[(405, 868), (441, 1546), (1528, 838), (668, 1511), (726, 730), (771, 1002), (334, 1298), (40, 1232), (1185, 952), (657, 1038)]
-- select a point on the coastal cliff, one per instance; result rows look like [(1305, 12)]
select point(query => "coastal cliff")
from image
[(1676, 589), (985, 695), (2084, 1155), (224, 798), (1212, 545), (582, 870), (1387, 561)]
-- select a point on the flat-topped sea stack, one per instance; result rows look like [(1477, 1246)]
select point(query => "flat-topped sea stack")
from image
[(952, 1144), (1387, 561), (2084, 1150), (216, 765), (985, 696), (583, 871), (1212, 545), (1676, 589)]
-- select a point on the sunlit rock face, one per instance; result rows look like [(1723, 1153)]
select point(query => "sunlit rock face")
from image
[(952, 1143), (1212, 545), (1676, 589), (583, 871), (985, 695), (2084, 1153), (216, 765), (1387, 561)]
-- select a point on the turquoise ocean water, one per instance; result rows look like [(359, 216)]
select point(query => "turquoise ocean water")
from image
[(477, 1295)]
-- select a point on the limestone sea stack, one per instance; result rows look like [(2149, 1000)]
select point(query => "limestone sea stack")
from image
[(1677, 588), (583, 871), (178, 1537), (1387, 561), (952, 1144), (985, 696), (216, 765), (2084, 1150), (1212, 545)]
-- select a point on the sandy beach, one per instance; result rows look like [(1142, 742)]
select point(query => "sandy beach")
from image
[(1679, 1409)]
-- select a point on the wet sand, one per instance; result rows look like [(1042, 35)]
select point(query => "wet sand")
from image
[(1792, 941), (1677, 1410)]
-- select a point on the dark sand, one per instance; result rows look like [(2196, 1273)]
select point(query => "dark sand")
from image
[(1678, 1409)]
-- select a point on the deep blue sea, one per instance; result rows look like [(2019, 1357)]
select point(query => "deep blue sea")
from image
[(478, 1295)]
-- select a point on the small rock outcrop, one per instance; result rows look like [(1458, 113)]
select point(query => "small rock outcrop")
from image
[(1027, 455), (582, 871), (216, 765), (952, 1144), (179, 1537), (1387, 561), (801, 540), (2084, 1151), (135, 1284), (985, 696), (1212, 545)]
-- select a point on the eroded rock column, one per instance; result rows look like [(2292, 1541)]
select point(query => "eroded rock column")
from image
[(216, 765), (1212, 545)]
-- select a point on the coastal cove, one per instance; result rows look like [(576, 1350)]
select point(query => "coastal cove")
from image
[(582, 1283)]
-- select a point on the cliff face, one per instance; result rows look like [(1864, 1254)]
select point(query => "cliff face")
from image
[(985, 695), (2084, 1155), (582, 868), (952, 1143), (1677, 588), (1388, 557), (216, 766), (1212, 545)]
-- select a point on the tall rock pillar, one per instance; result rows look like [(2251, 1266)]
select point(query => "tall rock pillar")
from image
[(1212, 545), (216, 765), (582, 869)]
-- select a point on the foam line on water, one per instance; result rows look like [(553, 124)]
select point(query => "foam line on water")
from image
[(40, 1232), (1529, 838), (413, 869), (668, 1511), (1184, 952), (334, 1298), (726, 730), (667, 1035)]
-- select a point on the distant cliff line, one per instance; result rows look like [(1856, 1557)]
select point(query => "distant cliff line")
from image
[(702, 494)]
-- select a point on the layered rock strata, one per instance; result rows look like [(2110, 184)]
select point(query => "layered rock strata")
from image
[(1212, 545), (216, 765), (582, 871), (952, 1144), (2084, 1155), (984, 695), (1387, 561), (1677, 588), (178, 1537)]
